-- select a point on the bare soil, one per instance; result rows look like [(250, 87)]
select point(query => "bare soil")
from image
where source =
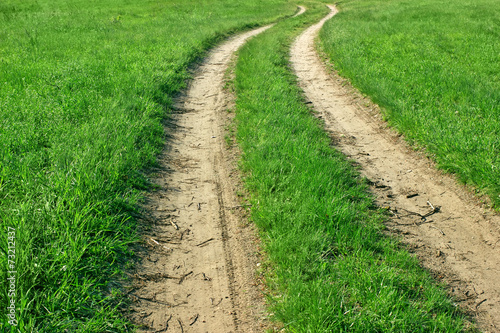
[(454, 236), (301, 11), (198, 269)]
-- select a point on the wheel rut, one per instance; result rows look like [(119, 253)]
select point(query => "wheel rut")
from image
[(453, 236), (197, 272)]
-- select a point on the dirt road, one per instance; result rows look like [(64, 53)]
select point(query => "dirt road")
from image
[(453, 236), (198, 272)]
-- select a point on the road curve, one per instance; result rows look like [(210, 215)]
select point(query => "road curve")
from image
[(459, 240)]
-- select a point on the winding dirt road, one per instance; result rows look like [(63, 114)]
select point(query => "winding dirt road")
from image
[(198, 273), (447, 229)]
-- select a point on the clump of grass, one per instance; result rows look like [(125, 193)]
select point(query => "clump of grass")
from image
[(84, 87), (330, 267), (434, 67)]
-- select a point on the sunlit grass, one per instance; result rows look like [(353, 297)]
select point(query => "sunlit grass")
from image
[(434, 66), (330, 269), (84, 87)]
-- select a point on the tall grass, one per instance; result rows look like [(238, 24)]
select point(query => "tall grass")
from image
[(330, 267), (84, 87), (434, 66)]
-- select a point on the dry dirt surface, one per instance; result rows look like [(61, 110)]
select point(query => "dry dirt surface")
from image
[(197, 272), (301, 11), (454, 236)]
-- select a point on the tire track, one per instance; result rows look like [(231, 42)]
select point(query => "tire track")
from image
[(453, 236), (197, 272)]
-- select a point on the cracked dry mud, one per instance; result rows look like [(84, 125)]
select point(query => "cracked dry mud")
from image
[(198, 269), (449, 231)]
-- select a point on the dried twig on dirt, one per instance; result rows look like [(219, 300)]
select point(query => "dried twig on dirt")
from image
[(184, 277), (158, 244), (180, 324), (194, 320), (152, 300), (441, 231), (156, 276), (166, 326), (172, 222), (478, 304), (184, 232), (422, 216), (146, 315), (167, 240), (205, 242)]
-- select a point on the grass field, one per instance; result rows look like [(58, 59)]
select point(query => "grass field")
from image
[(434, 68), (329, 269), (84, 87)]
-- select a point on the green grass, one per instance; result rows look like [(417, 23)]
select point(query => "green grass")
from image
[(434, 66), (84, 87), (330, 268)]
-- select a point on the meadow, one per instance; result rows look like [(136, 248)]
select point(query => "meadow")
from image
[(433, 66), (84, 89), (329, 267)]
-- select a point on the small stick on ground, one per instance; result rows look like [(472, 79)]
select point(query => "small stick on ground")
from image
[(168, 240), (183, 232), (441, 231), (422, 216), (180, 324), (152, 300), (433, 210), (166, 326), (172, 222), (205, 242), (478, 304), (147, 315), (156, 276), (184, 276), (166, 323), (194, 320)]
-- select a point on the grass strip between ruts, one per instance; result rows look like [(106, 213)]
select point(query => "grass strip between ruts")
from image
[(330, 269)]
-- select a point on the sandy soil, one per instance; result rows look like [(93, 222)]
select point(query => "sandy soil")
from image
[(456, 238), (301, 11), (198, 270)]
